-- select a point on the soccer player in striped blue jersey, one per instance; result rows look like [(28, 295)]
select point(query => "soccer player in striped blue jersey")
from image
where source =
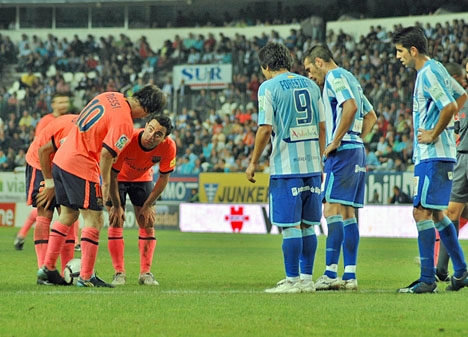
[(436, 99), (349, 117), (291, 116)]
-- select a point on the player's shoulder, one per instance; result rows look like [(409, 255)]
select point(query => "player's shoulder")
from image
[(68, 118), (170, 142), (43, 122), (167, 145), (56, 123)]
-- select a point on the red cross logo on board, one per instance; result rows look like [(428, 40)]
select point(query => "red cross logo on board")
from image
[(236, 218)]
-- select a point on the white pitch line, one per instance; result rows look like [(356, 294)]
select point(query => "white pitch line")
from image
[(101, 291)]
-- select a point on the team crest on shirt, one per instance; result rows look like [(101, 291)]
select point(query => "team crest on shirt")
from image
[(120, 144)]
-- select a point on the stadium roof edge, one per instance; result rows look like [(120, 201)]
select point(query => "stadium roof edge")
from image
[(78, 2)]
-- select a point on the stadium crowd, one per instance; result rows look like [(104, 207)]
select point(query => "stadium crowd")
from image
[(214, 129)]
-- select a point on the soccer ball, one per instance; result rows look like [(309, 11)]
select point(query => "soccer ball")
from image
[(72, 271)]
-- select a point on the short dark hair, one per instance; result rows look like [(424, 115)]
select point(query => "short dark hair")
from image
[(412, 36), (151, 98), (164, 121), (275, 56), (319, 50)]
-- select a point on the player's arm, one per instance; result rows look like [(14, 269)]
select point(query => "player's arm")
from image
[(45, 197), (446, 114), (322, 137), (158, 189), (445, 117), (147, 212), (322, 127), (116, 212), (105, 165), (347, 118), (368, 122), (261, 140)]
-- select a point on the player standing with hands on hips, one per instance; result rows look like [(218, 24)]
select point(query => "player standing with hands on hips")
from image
[(436, 99), (291, 116), (82, 174), (349, 118)]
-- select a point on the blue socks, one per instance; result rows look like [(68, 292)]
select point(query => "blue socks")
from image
[(292, 249), (426, 239), (309, 248), (350, 248), (333, 244)]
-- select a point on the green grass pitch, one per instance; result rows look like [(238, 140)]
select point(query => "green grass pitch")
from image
[(212, 285)]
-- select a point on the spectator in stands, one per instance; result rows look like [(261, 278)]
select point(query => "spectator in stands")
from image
[(375, 198), (26, 119), (399, 197), (372, 162), (7, 161), (384, 87), (3, 159), (20, 159), (29, 79)]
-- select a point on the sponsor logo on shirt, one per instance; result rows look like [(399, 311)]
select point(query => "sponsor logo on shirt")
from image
[(120, 144), (303, 133), (338, 84), (436, 92)]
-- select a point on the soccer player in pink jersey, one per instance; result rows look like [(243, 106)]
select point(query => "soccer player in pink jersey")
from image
[(132, 175), (82, 174), (60, 106), (52, 136)]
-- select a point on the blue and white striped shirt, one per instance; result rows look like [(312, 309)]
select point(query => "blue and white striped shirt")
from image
[(340, 85), (292, 105), (434, 89)]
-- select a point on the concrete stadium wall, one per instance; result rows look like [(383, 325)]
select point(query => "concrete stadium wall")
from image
[(156, 36), (359, 27)]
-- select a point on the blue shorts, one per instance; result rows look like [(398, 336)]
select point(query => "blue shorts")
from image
[(34, 184), (294, 201), (345, 178), (433, 184), (138, 192), (74, 192)]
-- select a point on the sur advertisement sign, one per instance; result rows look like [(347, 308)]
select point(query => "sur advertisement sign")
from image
[(202, 76)]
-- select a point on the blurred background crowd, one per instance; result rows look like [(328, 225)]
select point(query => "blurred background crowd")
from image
[(214, 129)]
